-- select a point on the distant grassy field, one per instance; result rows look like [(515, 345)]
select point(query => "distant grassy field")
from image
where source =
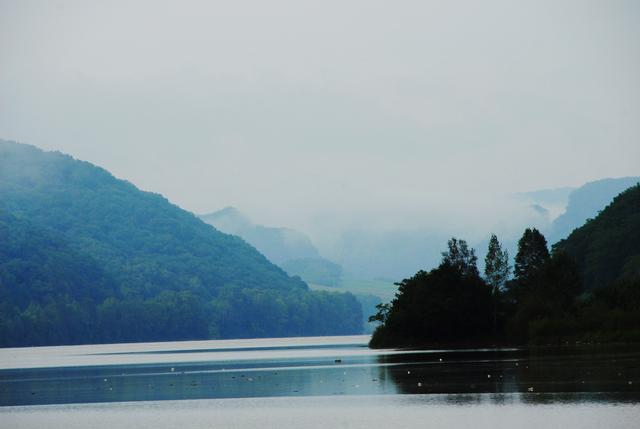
[(385, 290)]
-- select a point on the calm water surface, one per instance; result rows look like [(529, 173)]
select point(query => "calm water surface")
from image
[(317, 382)]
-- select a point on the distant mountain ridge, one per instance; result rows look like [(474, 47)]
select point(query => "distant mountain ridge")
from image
[(553, 201), (291, 250), (585, 202), (277, 244), (86, 257)]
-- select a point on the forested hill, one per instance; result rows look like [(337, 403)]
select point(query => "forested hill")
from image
[(85, 257), (607, 248)]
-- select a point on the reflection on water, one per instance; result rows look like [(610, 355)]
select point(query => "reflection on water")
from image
[(315, 367), (564, 370)]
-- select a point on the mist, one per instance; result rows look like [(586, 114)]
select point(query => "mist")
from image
[(412, 118)]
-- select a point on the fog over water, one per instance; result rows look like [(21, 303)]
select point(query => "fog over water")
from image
[(335, 115)]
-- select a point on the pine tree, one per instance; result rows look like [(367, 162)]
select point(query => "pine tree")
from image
[(531, 257), (496, 265), (496, 273)]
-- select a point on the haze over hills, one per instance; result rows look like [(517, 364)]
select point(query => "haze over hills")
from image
[(294, 252), (87, 257), (550, 203), (290, 249), (565, 209), (585, 203), (397, 253), (388, 255), (277, 244)]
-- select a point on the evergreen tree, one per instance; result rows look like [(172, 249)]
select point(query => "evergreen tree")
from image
[(496, 274), (531, 257), (496, 265)]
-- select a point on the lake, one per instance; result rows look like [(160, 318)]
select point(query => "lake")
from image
[(317, 382)]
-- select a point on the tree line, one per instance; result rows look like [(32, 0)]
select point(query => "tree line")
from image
[(538, 299)]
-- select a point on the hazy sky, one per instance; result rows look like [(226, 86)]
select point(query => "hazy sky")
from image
[(329, 113)]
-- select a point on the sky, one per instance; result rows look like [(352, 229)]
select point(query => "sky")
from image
[(330, 115)]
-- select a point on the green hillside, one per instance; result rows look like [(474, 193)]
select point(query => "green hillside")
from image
[(607, 248), (86, 257)]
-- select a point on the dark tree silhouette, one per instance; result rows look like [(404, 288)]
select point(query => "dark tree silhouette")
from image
[(496, 265), (496, 274), (531, 257), (461, 257), (448, 304)]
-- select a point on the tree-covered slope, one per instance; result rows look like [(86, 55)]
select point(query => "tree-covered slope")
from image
[(39, 273), (292, 250), (134, 266), (607, 248)]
